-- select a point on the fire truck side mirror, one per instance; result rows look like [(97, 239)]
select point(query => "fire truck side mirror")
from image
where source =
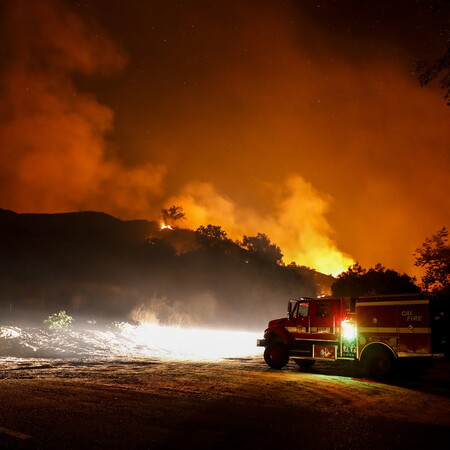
[(289, 309)]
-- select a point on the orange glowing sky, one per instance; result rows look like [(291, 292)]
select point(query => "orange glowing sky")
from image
[(299, 119)]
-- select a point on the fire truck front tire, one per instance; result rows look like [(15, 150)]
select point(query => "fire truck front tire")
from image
[(379, 363), (276, 356)]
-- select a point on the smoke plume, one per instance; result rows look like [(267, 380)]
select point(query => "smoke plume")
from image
[(264, 116), (55, 152)]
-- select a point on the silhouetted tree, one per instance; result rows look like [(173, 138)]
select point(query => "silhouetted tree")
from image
[(434, 256), (261, 247), (212, 232), (211, 236), (358, 281), (172, 215), (349, 283), (428, 71)]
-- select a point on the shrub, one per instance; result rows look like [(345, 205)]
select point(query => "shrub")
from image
[(58, 320)]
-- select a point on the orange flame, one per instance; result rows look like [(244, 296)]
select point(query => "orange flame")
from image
[(298, 225)]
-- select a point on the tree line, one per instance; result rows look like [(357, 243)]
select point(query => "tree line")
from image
[(433, 255), (94, 264)]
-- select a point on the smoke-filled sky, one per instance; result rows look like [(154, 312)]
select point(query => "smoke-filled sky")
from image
[(299, 119)]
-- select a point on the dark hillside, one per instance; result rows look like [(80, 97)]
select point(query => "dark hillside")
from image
[(95, 265)]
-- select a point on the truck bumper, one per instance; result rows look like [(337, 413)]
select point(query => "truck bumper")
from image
[(261, 343)]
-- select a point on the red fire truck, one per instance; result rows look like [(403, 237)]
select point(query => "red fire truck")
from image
[(376, 330)]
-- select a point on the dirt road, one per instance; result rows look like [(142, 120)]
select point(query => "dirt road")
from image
[(234, 404)]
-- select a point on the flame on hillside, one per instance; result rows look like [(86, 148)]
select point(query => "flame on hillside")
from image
[(298, 225), (56, 155)]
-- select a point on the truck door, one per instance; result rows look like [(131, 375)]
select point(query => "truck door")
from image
[(324, 318), (301, 317)]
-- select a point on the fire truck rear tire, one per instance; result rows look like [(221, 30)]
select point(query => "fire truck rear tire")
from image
[(380, 363), (276, 356)]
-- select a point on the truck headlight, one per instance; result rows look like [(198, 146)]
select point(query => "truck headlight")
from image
[(348, 330)]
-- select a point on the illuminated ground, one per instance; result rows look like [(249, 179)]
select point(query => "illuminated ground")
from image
[(163, 403)]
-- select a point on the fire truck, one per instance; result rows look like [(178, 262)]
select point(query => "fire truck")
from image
[(377, 330)]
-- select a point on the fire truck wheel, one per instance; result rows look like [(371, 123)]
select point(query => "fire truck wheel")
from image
[(380, 363), (276, 356), (305, 363)]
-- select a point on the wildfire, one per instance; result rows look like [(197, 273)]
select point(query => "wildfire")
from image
[(298, 224), (165, 227)]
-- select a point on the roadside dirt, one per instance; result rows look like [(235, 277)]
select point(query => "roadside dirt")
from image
[(234, 403)]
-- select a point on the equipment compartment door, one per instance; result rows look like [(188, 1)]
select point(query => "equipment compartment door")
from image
[(414, 328)]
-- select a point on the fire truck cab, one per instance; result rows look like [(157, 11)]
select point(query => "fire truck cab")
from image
[(376, 330)]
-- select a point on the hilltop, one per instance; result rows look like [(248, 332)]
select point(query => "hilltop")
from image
[(92, 264)]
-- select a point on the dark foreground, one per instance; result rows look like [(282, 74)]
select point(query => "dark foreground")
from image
[(235, 404)]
